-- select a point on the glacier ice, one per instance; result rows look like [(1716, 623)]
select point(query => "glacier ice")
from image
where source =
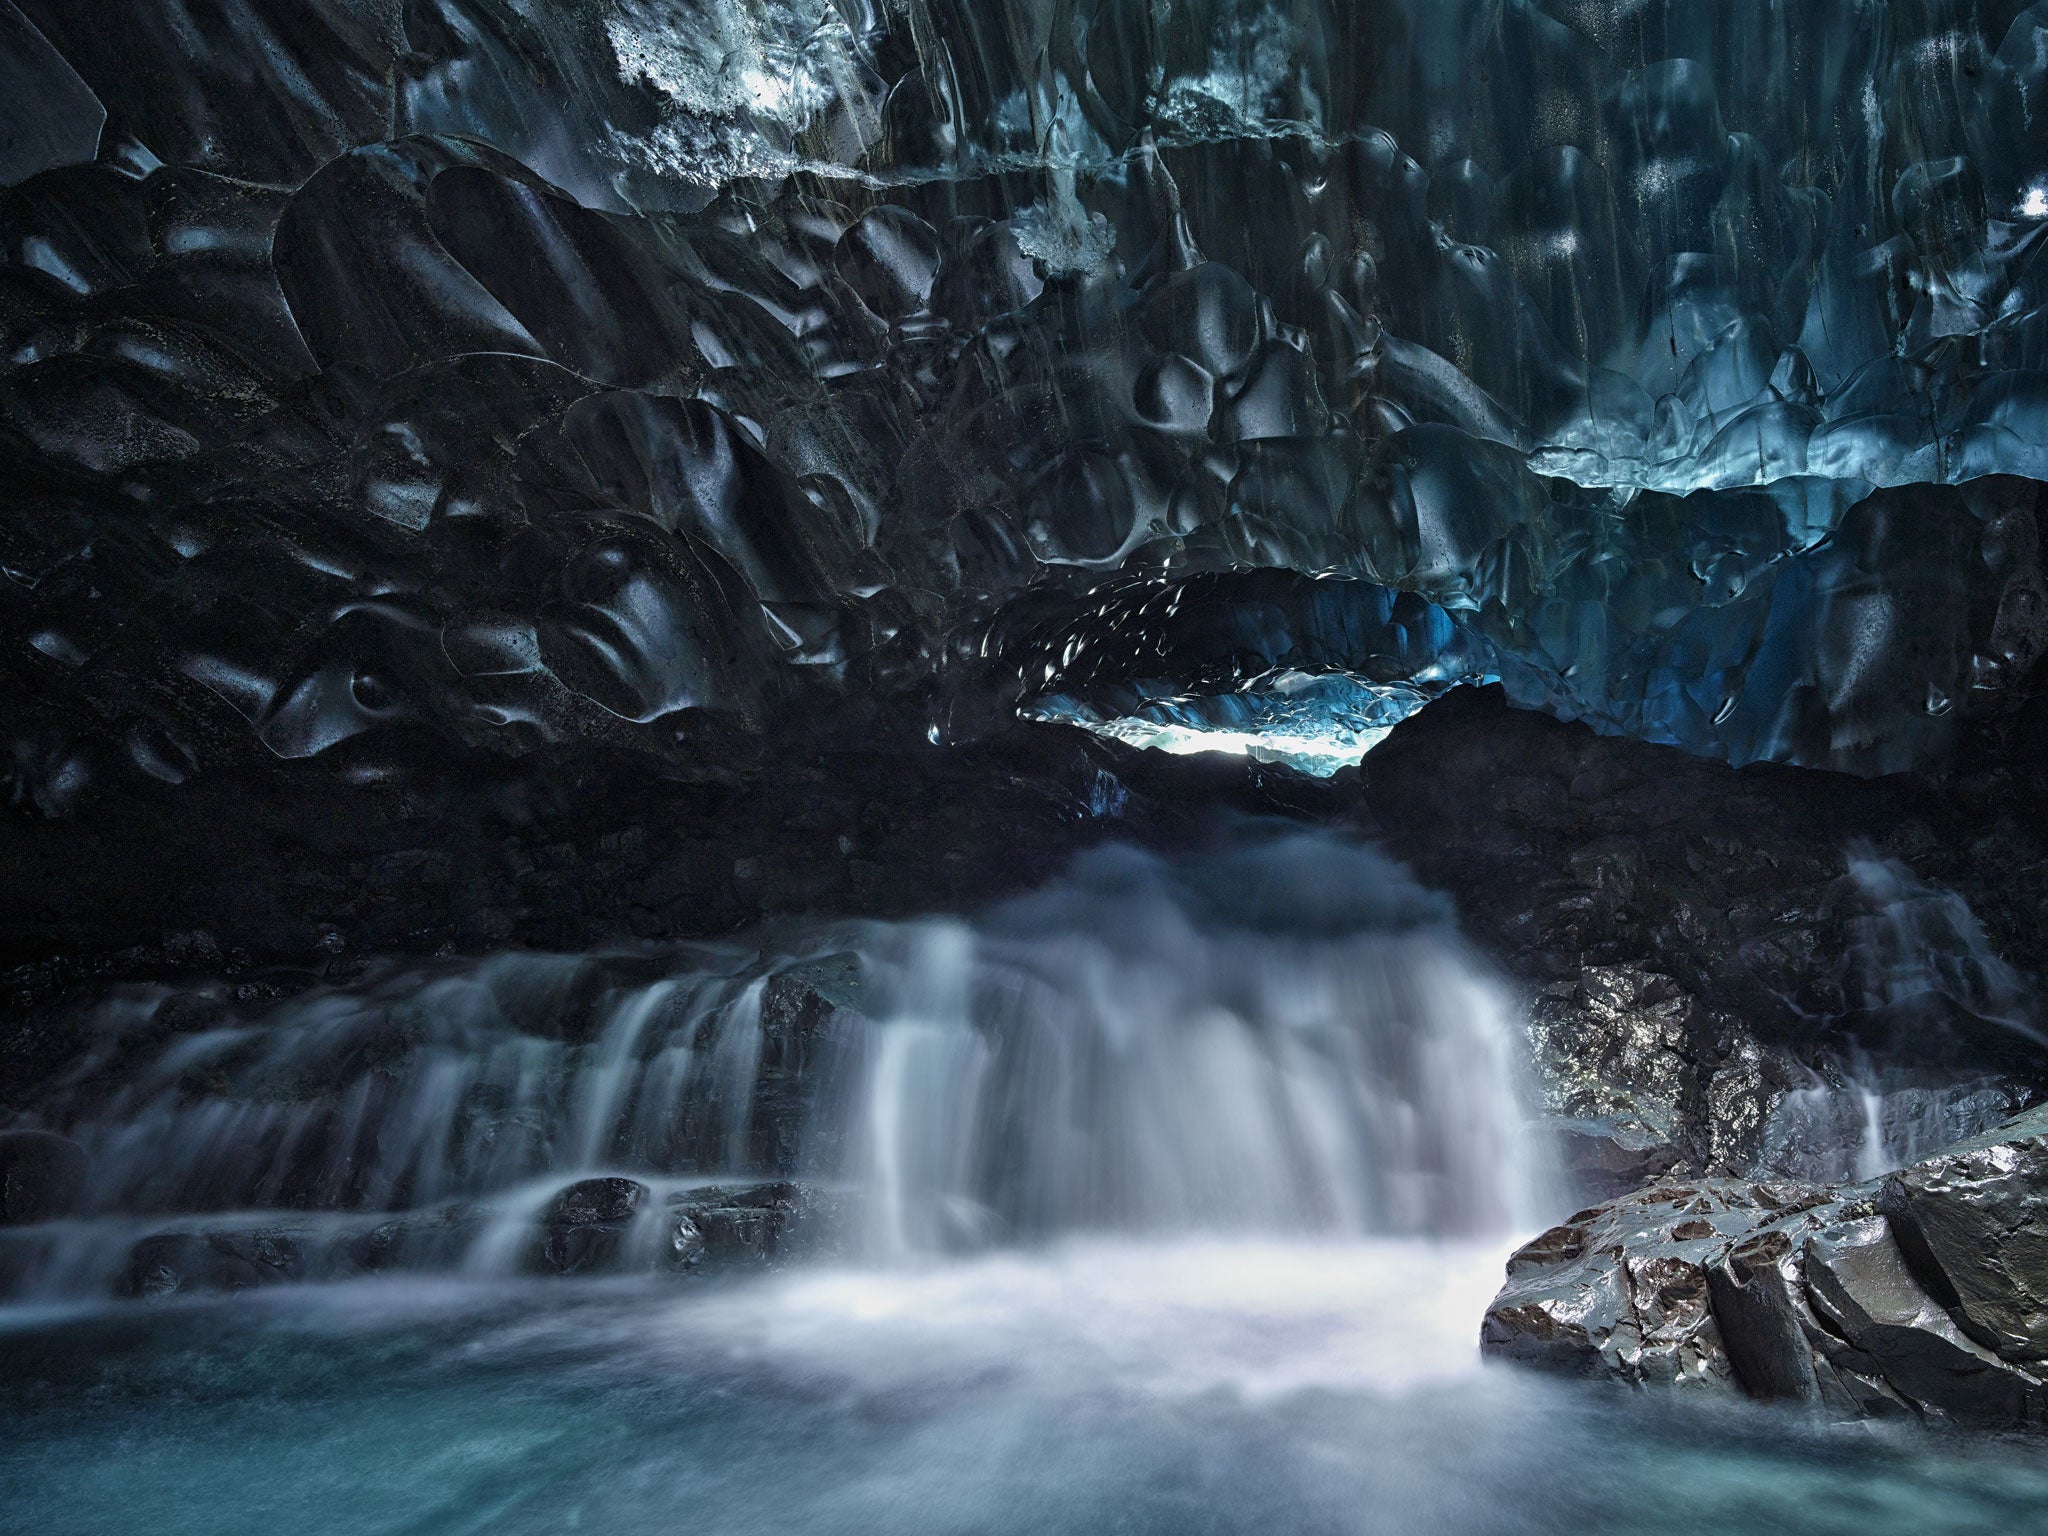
[(402, 376)]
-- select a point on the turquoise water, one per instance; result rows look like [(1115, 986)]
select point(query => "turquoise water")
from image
[(1178, 1388)]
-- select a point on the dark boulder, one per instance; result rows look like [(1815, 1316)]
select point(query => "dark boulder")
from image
[(42, 1175), (411, 1240), (807, 1012), (718, 1227), (1975, 1221), (608, 1225), (585, 1229)]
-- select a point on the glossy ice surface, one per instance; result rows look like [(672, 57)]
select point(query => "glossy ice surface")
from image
[(381, 379)]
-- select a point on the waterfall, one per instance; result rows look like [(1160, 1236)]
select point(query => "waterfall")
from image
[(1924, 965), (1928, 1000), (1283, 1037), (1149, 1046)]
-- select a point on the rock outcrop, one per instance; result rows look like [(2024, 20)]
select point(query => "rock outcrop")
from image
[(600, 1226), (591, 1227), (1922, 1293), (1641, 1080)]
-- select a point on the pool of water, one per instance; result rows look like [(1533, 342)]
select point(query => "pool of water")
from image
[(1180, 1387)]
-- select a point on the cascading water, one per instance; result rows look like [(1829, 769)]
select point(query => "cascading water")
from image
[(1928, 995), (1282, 1038), (1285, 1038), (1188, 1178)]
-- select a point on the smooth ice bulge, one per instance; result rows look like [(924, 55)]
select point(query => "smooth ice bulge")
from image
[(470, 374)]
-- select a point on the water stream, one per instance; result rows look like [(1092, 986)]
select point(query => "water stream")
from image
[(1167, 1199), (1285, 1037), (1928, 995)]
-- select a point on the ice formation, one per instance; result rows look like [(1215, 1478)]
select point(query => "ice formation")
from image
[(406, 376)]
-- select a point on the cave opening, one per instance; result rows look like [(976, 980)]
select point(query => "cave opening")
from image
[(1018, 765)]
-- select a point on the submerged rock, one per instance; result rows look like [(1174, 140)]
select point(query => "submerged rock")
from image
[(1926, 1292), (719, 1226), (173, 1263), (599, 1226), (602, 1226)]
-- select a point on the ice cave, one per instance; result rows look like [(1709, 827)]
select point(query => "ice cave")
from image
[(977, 767)]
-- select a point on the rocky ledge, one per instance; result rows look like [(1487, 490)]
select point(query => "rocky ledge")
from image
[(600, 1226), (1923, 1293)]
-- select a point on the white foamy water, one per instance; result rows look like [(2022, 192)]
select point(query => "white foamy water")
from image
[(1283, 1038), (1177, 1190), (1258, 1319)]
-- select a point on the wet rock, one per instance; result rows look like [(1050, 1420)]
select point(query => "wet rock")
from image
[(806, 1012), (170, 1263), (1604, 1159), (717, 1227), (590, 1228), (1744, 1082), (173, 1263), (1646, 1082), (410, 1240), (584, 1230), (1623, 1290), (1975, 1219), (1894, 1343), (1928, 1294), (42, 1175), (1616, 1046), (1614, 1060), (1733, 885)]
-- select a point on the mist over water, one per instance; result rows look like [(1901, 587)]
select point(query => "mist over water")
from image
[(1286, 1036), (1175, 1189)]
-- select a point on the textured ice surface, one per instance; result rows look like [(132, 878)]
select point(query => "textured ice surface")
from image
[(382, 376)]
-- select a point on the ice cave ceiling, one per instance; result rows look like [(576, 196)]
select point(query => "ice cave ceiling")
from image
[(388, 377)]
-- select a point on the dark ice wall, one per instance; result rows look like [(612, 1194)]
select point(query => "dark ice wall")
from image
[(383, 379)]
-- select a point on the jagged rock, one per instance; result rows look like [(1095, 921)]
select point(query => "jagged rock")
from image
[(1922, 1295), (1890, 1339), (1977, 1216), (1623, 1290), (1646, 1081), (41, 1175), (1615, 1046), (1614, 1056), (1744, 1082)]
